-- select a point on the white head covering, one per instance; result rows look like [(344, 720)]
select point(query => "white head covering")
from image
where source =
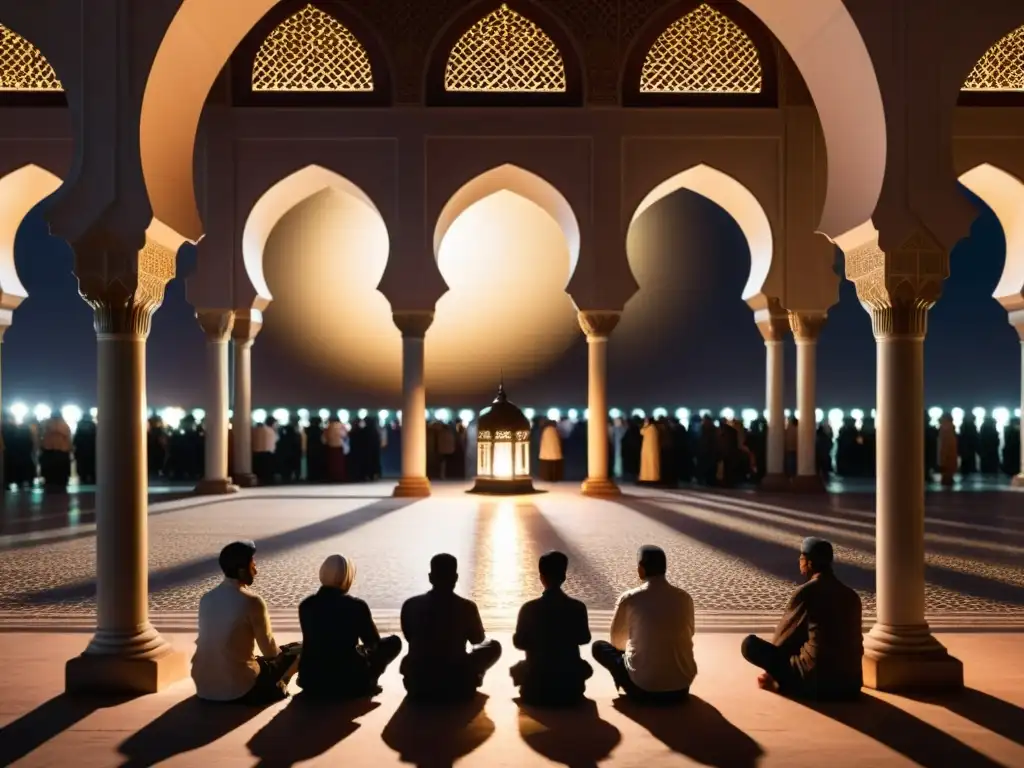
[(337, 572)]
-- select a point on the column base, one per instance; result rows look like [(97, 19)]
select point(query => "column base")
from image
[(776, 482), (1018, 481), (412, 488), (215, 487), (245, 480), (600, 488), (909, 659), (97, 673), (807, 484)]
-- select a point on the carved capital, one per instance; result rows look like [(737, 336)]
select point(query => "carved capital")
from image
[(216, 323), (899, 288), (247, 324), (772, 321), (598, 325), (806, 326), (123, 289), (413, 325)]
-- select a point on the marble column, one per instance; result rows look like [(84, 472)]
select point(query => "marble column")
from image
[(598, 326), (774, 325), (806, 327), (216, 324), (413, 482), (126, 654), (246, 326), (1018, 480), (3, 479)]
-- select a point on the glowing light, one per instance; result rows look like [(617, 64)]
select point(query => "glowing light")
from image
[(19, 410), (324, 414), (749, 416), (172, 417), (362, 413), (383, 416), (787, 413), (504, 582), (529, 413), (857, 414), (94, 412), (659, 413), (198, 414), (727, 413), (573, 414), (281, 415), (502, 467), (344, 416), (978, 414), (1016, 413), (835, 419), (615, 413), (1002, 417), (467, 415), (586, 414), (259, 415), (958, 417), (639, 413), (72, 415), (704, 412), (554, 414), (231, 414), (42, 412), (819, 415), (874, 414), (683, 415), (934, 414)]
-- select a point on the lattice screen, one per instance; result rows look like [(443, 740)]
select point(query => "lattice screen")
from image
[(311, 51), (1002, 66), (23, 66), (703, 52), (505, 52)]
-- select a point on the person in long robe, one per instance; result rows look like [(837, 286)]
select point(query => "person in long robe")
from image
[(948, 453), (1011, 447), (551, 462), (650, 454), (55, 459), (618, 432), (334, 443)]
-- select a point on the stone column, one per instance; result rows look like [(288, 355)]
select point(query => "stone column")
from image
[(413, 482), (773, 324), (898, 290), (1018, 480), (806, 328), (247, 325), (598, 326), (126, 654), (3, 448), (217, 325)]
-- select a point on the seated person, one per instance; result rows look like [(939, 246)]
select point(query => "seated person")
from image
[(437, 626), (231, 620), (651, 652), (343, 655), (551, 630), (817, 648)]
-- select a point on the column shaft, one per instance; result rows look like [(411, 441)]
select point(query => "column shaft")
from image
[(414, 421), (598, 325), (775, 392), (1019, 479), (806, 359), (217, 324), (241, 424)]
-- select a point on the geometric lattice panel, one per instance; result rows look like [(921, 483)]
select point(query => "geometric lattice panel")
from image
[(311, 51), (703, 52), (23, 66), (505, 52), (1002, 66)]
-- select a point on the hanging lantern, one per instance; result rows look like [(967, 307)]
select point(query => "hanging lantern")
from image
[(503, 449)]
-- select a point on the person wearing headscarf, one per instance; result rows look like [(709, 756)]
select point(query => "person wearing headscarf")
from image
[(343, 654), (818, 646)]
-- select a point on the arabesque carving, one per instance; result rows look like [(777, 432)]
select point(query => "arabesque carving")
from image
[(807, 326), (772, 321), (23, 66), (216, 323), (1002, 66)]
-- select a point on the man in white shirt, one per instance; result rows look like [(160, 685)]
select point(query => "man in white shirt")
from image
[(264, 445), (650, 655), (232, 619)]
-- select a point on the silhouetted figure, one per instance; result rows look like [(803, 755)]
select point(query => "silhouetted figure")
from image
[(818, 645), (333, 438), (650, 454), (948, 449), (650, 655), (552, 465), (316, 451), (707, 453), (666, 454), (55, 457), (288, 452), (988, 446), (967, 445), (551, 629), (437, 626), (823, 451), (1011, 447), (632, 442), (84, 443), (931, 448), (343, 655), (232, 620)]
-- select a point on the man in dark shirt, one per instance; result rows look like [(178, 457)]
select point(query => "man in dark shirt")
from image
[(437, 626), (551, 630), (818, 645)]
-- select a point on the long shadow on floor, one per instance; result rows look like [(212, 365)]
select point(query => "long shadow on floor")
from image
[(188, 725), (576, 737), (47, 721), (436, 736), (306, 729), (987, 711), (915, 739), (195, 570), (695, 729)]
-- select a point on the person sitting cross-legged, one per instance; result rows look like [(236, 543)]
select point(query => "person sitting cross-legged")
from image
[(343, 655), (650, 655), (437, 626), (551, 630), (817, 649), (231, 620)]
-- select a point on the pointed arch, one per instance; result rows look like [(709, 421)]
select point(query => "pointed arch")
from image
[(274, 204), (1004, 194), (20, 192), (512, 53), (518, 181), (736, 200)]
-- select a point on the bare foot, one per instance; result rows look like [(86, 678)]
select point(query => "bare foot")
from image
[(767, 683)]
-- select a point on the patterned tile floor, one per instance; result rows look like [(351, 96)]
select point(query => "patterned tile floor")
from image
[(735, 553)]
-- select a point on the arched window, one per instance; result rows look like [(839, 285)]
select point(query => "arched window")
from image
[(1001, 69), (504, 52), (311, 52), (703, 52), (23, 68)]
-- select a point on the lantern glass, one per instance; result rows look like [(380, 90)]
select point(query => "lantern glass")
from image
[(523, 458), (503, 466), (503, 449)]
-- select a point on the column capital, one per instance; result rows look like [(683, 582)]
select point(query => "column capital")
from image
[(772, 321), (598, 324), (247, 324), (899, 288), (806, 326), (413, 325), (216, 323), (123, 288)]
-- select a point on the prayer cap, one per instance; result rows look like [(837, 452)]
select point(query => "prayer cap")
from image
[(337, 572), (818, 551)]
